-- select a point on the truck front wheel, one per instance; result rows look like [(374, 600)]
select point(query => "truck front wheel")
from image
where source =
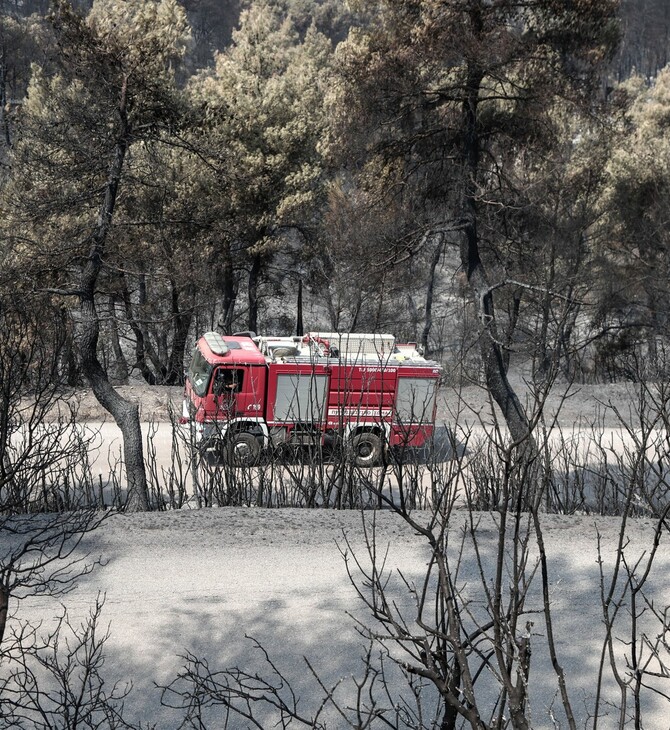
[(366, 448), (242, 449)]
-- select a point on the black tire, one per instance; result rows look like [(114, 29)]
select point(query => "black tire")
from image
[(366, 449), (243, 449)]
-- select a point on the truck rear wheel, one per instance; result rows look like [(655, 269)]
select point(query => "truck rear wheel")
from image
[(366, 448), (242, 449)]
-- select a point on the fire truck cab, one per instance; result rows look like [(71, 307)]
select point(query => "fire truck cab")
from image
[(244, 394)]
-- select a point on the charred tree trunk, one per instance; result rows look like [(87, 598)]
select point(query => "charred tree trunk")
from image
[(125, 414), (153, 353), (430, 290), (69, 354), (513, 312), (229, 292), (4, 611), (140, 350), (652, 359), (299, 326), (120, 366), (493, 357), (182, 323), (4, 121), (254, 276)]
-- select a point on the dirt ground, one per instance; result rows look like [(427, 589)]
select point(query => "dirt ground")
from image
[(608, 405), (604, 405), (157, 402)]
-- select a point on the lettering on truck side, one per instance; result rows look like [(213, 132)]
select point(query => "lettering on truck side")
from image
[(359, 412)]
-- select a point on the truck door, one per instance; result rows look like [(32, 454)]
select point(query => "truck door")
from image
[(238, 391), (226, 384)]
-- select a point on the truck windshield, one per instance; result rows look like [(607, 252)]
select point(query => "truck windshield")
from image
[(199, 372)]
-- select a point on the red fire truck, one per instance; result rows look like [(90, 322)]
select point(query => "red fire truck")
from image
[(246, 393)]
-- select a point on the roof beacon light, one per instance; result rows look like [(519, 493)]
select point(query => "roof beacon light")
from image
[(216, 343)]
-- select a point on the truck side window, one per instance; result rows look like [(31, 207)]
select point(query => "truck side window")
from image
[(227, 381)]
